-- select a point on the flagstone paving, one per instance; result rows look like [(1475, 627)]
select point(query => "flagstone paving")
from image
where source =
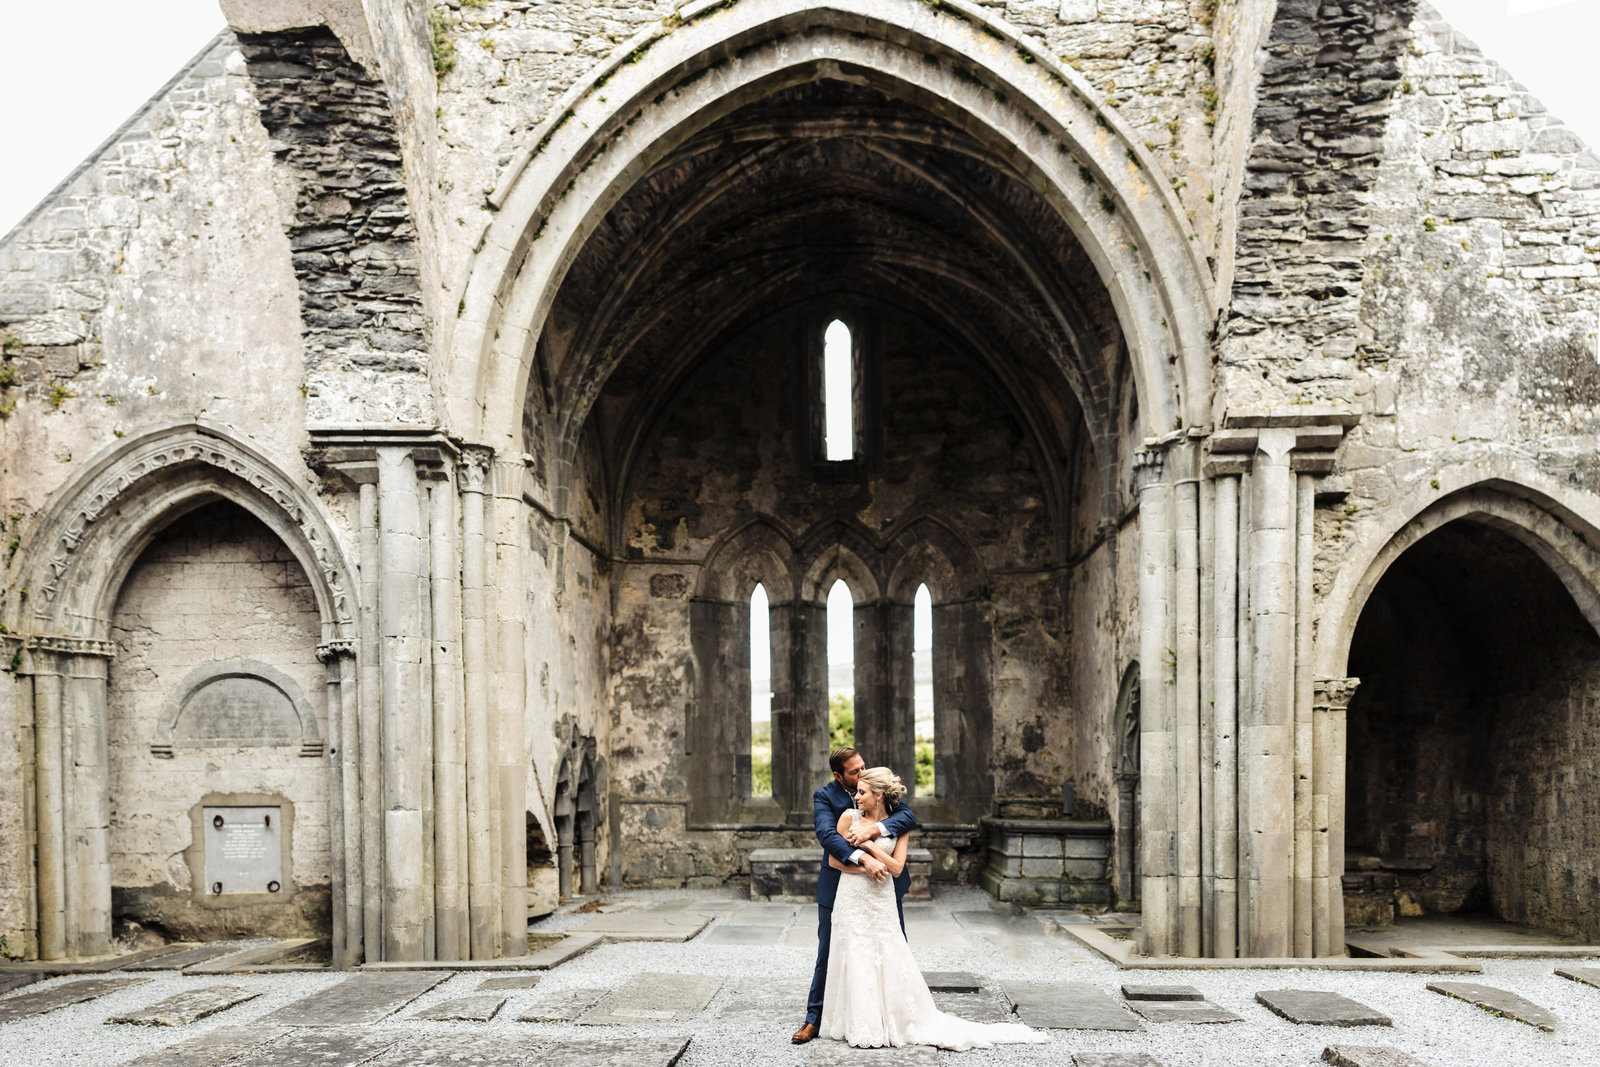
[(712, 1001), (1585, 975), (1498, 1002), (1314, 1007), (187, 1007)]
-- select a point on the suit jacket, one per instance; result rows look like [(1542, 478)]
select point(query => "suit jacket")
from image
[(832, 801)]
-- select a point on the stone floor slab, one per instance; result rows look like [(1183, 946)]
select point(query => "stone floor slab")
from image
[(654, 998), (562, 1007), (616, 1052), (758, 1000), (647, 925), (478, 1009), (1183, 1011), (1068, 1006), (779, 914), (516, 981), (39, 1001), (839, 1054), (18, 979), (185, 956), (936, 935), (952, 981), (222, 1045), (1314, 1007), (975, 1007), (332, 1047), (742, 934), (188, 1006), (1583, 975), (1114, 1059), (251, 959), (1161, 992), (1369, 1056), (801, 936), (492, 1049), (364, 998), (1499, 1002)]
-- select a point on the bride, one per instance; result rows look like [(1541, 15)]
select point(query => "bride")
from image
[(875, 994)]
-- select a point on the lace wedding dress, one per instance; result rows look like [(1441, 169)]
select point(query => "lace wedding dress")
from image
[(875, 994)]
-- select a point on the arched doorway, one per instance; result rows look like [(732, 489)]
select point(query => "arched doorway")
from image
[(1469, 773)]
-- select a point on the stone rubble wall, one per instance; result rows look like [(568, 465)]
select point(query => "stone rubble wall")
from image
[(354, 243)]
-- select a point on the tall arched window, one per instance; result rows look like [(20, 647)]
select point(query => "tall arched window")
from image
[(841, 666), (922, 690), (838, 393), (760, 694)]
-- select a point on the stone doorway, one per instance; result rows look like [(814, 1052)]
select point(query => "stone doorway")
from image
[(1470, 776)]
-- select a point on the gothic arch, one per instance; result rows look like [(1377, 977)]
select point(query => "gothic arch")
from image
[(839, 549), (68, 574), (928, 551), (758, 551), (1036, 117), (1568, 543)]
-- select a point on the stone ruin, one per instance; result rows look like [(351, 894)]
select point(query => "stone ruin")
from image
[(402, 408)]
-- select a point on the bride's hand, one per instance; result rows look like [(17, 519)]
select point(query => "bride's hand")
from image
[(862, 832)]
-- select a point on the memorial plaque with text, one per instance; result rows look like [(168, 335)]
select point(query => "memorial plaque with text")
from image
[(244, 850)]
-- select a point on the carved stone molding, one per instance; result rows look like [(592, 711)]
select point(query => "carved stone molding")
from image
[(474, 468), (332, 650), (1334, 693), (115, 481)]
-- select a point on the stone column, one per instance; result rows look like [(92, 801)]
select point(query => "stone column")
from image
[(451, 940), (507, 670), (1208, 716), (1330, 703), (344, 802), (49, 792), (1267, 722), (1304, 754), (1185, 699), (1224, 900), (1158, 814), (370, 701), (483, 875), (408, 905)]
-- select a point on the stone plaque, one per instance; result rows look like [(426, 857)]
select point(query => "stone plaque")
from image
[(244, 850)]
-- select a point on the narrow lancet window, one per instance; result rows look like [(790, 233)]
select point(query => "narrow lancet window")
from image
[(922, 689), (841, 667), (760, 694), (838, 393)]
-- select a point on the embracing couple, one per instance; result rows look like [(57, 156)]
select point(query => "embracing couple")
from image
[(867, 989)]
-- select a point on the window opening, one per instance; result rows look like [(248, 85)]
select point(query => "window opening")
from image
[(841, 667), (760, 693), (838, 393), (922, 689)]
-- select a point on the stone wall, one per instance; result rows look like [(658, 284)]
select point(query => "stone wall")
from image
[(214, 586)]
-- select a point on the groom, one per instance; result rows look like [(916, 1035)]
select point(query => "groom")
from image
[(830, 802)]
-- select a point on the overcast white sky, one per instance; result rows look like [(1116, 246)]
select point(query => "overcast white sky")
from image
[(66, 88)]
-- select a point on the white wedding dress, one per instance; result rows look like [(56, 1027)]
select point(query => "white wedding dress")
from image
[(876, 995)]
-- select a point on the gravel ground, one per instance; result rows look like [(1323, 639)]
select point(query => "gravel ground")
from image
[(1436, 1029)]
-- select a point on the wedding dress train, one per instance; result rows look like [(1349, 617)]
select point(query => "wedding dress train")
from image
[(876, 995)]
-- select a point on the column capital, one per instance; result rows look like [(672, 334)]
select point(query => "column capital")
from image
[(349, 454), (1334, 693), (329, 651), (474, 468)]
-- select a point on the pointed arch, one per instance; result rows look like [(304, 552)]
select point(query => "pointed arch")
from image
[(1036, 118)]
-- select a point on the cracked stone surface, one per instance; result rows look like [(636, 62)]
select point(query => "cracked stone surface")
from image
[(1313, 1007), (365, 998), (654, 998), (188, 1007), (1498, 1002), (1069, 1006)]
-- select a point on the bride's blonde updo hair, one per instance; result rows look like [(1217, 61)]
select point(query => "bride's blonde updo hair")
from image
[(884, 784)]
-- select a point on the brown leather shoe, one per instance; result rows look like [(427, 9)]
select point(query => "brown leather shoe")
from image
[(804, 1034)]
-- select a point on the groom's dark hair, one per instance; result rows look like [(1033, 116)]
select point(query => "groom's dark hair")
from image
[(840, 757)]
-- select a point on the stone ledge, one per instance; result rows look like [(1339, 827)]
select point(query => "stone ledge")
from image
[(791, 873)]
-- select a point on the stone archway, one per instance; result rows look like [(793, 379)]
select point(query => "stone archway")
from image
[(66, 580), (1035, 118), (1473, 633)]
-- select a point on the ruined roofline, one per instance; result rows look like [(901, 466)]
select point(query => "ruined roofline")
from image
[(1453, 42), (116, 135)]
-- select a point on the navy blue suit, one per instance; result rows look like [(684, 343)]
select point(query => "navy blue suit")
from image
[(830, 802)]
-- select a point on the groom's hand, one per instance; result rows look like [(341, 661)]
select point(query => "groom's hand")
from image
[(875, 867)]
